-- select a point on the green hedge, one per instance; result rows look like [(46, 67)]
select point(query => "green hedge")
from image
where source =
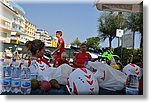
[(127, 54)]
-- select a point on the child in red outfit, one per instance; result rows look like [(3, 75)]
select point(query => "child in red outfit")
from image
[(60, 61), (81, 57), (60, 45)]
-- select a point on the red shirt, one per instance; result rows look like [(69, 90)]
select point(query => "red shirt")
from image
[(81, 58), (62, 49), (59, 62)]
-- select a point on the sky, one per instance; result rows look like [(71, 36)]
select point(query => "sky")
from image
[(75, 20)]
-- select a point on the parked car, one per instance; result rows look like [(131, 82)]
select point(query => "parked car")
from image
[(47, 56)]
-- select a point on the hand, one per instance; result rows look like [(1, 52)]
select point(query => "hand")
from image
[(52, 53)]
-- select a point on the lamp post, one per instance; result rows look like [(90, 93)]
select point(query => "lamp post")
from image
[(120, 32)]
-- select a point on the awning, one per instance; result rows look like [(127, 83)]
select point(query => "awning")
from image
[(18, 8), (120, 5)]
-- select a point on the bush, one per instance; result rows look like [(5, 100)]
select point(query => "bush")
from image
[(127, 54)]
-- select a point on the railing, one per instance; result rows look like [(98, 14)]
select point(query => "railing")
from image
[(19, 31), (17, 23)]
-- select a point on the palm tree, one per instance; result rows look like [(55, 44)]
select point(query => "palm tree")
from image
[(108, 25), (134, 22)]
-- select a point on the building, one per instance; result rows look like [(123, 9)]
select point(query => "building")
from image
[(30, 30), (15, 27), (6, 22), (18, 34), (44, 36)]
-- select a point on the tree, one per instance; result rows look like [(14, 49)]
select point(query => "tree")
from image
[(134, 22), (108, 25), (76, 42), (93, 42)]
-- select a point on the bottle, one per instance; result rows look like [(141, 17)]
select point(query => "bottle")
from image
[(132, 85), (1, 74), (21, 63), (6, 86), (15, 82), (25, 80), (13, 61), (34, 70)]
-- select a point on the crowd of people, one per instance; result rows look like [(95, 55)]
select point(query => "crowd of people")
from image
[(36, 49)]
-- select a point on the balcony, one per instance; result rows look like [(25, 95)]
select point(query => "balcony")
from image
[(20, 17), (19, 31), (18, 8), (17, 23), (8, 28)]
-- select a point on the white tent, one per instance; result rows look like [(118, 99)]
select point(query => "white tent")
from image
[(120, 5)]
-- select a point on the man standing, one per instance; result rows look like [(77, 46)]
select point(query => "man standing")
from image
[(60, 45), (81, 57)]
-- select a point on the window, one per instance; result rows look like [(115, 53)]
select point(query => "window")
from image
[(4, 35), (7, 24), (15, 19)]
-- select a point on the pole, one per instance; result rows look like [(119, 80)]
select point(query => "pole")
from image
[(121, 49), (133, 44), (118, 42)]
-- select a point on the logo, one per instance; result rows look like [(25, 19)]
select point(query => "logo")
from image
[(16, 83), (5, 82), (42, 68), (26, 84)]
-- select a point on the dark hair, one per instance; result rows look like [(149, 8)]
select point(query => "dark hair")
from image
[(28, 44), (83, 44), (60, 32), (35, 45)]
